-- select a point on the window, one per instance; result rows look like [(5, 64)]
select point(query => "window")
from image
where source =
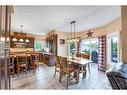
[(39, 45), (72, 48), (113, 47), (87, 46)]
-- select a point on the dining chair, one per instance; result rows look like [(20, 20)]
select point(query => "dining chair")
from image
[(34, 62), (68, 70), (22, 64), (57, 65), (11, 65)]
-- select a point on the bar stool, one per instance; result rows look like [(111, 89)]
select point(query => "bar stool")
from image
[(22, 64), (11, 65)]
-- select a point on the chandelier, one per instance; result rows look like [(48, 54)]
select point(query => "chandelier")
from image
[(73, 34)]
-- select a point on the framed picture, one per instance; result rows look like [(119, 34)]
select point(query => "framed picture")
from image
[(62, 41)]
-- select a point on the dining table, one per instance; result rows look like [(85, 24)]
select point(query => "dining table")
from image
[(82, 63)]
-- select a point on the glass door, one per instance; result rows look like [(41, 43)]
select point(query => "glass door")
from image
[(114, 49)]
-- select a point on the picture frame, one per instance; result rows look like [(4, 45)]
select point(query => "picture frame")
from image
[(62, 41)]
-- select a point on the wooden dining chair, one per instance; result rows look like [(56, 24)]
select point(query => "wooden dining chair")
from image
[(34, 62), (86, 56), (57, 65), (22, 64), (11, 65), (68, 70)]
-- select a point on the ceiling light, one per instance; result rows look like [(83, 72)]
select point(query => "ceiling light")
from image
[(73, 35)]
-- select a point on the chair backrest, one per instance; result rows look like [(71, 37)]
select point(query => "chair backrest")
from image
[(64, 62), (34, 58), (21, 59), (57, 60), (86, 56), (78, 54)]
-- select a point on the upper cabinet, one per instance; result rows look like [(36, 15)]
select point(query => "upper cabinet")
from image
[(21, 40), (51, 43)]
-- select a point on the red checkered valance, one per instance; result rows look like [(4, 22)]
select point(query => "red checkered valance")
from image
[(102, 53), (78, 46)]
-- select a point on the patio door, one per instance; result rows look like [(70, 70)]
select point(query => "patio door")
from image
[(90, 46), (113, 51)]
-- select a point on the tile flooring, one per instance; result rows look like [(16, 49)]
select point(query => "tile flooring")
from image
[(44, 79)]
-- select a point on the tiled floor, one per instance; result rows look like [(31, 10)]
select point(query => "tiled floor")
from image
[(44, 79)]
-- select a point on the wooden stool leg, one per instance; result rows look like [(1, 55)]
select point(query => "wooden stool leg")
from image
[(18, 71)]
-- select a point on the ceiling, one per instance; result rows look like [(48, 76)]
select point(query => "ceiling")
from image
[(41, 19)]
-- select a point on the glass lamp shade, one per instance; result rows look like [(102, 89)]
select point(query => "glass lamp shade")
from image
[(2, 39), (8, 39), (21, 40), (27, 40), (73, 40), (14, 39)]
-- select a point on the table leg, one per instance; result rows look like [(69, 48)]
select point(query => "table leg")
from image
[(84, 71), (89, 67)]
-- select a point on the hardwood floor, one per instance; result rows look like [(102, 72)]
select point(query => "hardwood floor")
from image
[(44, 79)]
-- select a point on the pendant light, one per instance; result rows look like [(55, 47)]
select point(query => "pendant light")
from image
[(14, 39), (21, 39), (73, 35), (27, 41)]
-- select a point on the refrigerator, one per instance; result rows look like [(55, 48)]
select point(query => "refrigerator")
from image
[(5, 28)]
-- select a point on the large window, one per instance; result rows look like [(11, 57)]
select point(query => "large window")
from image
[(72, 48), (39, 45), (113, 47), (87, 46)]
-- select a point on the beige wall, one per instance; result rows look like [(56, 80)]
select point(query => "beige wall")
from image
[(61, 48), (124, 33), (111, 27)]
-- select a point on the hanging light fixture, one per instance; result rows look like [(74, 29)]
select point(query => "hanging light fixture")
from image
[(27, 40), (21, 39), (73, 35), (14, 39)]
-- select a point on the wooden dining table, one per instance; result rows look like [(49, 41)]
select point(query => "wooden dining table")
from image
[(81, 62)]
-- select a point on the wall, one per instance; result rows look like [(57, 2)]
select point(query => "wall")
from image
[(124, 33), (61, 48), (103, 30)]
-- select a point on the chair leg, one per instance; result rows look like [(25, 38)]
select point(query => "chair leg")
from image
[(84, 73), (18, 71), (67, 81), (13, 72), (60, 77), (55, 72)]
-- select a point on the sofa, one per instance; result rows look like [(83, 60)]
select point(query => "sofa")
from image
[(117, 76)]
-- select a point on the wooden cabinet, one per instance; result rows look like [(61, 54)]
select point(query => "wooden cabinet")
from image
[(51, 43), (23, 44), (49, 59)]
